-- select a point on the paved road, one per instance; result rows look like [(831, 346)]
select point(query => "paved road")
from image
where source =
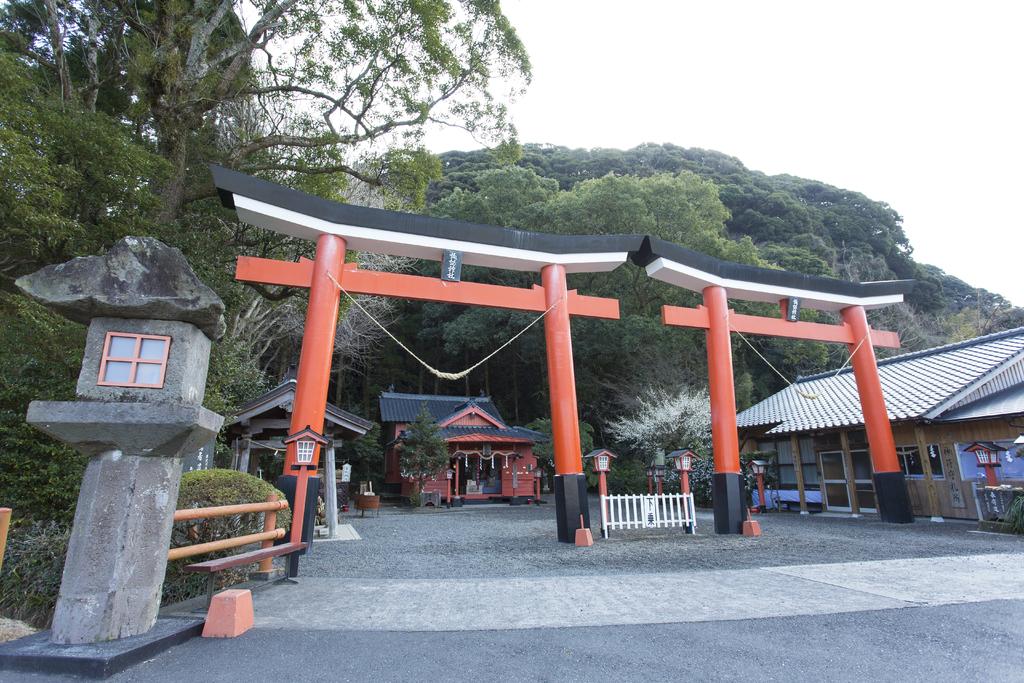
[(972, 642)]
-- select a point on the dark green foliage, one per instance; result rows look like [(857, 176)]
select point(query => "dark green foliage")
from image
[(71, 182), (210, 488), (626, 476), (40, 356), (797, 224), (32, 569), (545, 450), (364, 454)]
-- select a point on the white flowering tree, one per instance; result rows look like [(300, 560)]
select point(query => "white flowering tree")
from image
[(663, 421)]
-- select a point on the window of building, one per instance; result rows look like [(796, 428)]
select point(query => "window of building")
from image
[(134, 360), (935, 460), (910, 459)]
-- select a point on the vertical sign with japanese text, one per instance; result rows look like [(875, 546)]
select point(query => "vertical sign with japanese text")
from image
[(451, 266)]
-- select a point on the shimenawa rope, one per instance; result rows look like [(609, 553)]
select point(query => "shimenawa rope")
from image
[(804, 394), (440, 373)]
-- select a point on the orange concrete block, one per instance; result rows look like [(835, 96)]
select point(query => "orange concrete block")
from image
[(584, 538), (751, 528), (230, 614)]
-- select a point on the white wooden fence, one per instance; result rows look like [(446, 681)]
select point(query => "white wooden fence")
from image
[(648, 512)]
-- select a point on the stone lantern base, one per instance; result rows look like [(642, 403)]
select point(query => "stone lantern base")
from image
[(117, 555)]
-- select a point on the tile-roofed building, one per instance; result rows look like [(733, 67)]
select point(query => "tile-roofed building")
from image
[(262, 424), (938, 400), (923, 384), (398, 407), (490, 459)]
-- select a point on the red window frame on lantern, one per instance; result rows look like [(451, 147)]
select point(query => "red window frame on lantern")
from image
[(137, 358)]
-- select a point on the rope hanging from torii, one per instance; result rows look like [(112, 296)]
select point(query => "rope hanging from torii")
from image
[(801, 392), (434, 371)]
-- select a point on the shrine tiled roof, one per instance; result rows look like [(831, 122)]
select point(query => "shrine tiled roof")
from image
[(284, 394), (464, 433), (940, 384), (398, 407)]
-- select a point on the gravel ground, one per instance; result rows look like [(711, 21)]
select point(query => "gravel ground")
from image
[(520, 541)]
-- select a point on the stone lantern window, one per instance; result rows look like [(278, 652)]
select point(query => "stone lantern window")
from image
[(134, 360)]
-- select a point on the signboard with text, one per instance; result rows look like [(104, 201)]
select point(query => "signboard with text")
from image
[(451, 266)]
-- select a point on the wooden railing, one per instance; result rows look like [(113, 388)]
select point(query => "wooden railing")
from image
[(266, 537), (5, 522)]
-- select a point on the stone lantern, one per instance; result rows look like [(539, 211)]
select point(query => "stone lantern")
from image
[(138, 412)]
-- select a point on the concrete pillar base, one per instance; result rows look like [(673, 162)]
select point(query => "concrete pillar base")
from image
[(570, 503), (893, 500), (727, 500), (117, 555)]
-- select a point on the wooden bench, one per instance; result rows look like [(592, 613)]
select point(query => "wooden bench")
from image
[(213, 567)]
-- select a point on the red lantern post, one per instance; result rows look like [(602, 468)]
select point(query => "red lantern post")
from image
[(987, 454), (683, 460), (758, 467)]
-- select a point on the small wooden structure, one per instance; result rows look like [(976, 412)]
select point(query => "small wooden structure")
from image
[(263, 423)]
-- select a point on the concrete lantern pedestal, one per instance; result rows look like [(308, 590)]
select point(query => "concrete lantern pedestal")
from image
[(139, 412), (117, 555)]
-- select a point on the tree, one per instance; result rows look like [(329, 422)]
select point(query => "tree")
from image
[(664, 421), (295, 87), (71, 183), (424, 453), (545, 450)]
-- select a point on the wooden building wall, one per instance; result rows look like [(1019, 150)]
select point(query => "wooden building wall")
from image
[(931, 494)]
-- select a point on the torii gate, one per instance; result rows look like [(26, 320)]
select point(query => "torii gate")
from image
[(719, 280), (337, 227)]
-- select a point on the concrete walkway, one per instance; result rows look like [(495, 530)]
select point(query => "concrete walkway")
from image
[(569, 601)]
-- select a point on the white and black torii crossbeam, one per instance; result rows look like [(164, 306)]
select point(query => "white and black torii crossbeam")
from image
[(337, 227)]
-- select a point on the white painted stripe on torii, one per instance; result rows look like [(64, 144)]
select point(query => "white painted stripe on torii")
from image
[(377, 241), (623, 599), (688, 277)]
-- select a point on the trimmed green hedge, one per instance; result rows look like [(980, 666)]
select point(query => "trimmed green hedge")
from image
[(209, 488)]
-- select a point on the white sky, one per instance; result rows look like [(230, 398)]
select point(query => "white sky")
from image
[(915, 104)]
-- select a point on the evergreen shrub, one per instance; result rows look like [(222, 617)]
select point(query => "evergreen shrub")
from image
[(209, 488), (32, 570)]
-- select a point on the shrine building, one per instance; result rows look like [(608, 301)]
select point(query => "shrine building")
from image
[(490, 460), (941, 401)]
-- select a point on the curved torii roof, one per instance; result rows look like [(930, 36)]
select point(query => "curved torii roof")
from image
[(284, 210)]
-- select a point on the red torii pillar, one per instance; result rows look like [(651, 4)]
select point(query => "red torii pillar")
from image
[(715, 317), (328, 272)]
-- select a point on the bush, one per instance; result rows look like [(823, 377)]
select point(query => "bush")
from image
[(40, 357), (208, 488), (626, 476), (1015, 515), (32, 569)]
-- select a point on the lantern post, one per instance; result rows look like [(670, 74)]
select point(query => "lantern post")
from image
[(987, 454), (601, 460), (758, 467), (683, 460)]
